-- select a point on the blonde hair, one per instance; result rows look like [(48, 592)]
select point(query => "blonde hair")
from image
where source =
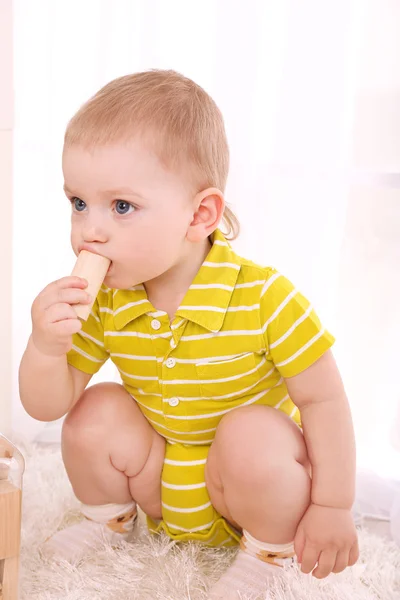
[(172, 111)]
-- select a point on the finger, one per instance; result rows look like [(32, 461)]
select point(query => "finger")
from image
[(53, 291), (354, 554), (73, 296), (326, 562), (299, 542), (59, 312), (68, 282), (342, 561), (67, 327), (310, 558)]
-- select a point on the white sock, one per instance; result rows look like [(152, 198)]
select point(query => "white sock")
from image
[(106, 523), (253, 569)]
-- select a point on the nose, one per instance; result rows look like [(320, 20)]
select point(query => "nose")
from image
[(94, 231)]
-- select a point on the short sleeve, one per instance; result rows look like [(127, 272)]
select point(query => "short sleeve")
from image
[(88, 352), (293, 333)]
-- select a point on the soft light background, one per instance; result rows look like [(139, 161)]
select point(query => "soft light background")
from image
[(310, 91)]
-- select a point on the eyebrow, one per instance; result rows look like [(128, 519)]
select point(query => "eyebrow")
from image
[(114, 192)]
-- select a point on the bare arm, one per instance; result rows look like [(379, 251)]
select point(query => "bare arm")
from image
[(49, 387), (328, 432)]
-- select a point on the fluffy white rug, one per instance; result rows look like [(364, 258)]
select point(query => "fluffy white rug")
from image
[(157, 569)]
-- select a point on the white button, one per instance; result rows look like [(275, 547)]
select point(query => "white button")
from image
[(170, 362), (173, 401), (155, 324)]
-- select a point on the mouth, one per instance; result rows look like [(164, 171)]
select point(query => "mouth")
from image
[(88, 248)]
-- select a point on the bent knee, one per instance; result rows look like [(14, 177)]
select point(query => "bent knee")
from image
[(95, 410), (257, 440)]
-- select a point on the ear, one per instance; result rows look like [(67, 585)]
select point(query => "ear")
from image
[(209, 208)]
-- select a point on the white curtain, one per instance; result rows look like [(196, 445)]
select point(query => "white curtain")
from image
[(310, 91)]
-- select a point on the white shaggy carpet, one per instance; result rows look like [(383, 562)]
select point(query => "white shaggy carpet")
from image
[(157, 569)]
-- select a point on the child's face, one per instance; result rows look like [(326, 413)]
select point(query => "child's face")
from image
[(128, 207)]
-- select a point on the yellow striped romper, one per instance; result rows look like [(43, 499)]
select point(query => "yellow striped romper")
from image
[(240, 330)]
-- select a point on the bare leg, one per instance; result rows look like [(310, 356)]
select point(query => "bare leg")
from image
[(114, 460), (111, 453), (258, 477), (258, 473)]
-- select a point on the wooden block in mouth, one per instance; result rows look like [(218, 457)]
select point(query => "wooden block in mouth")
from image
[(93, 268)]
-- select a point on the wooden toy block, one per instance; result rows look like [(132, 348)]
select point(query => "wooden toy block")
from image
[(93, 268)]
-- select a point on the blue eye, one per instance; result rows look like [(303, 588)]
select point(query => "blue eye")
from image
[(123, 208), (78, 204)]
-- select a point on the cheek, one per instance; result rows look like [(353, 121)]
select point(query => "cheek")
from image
[(74, 237)]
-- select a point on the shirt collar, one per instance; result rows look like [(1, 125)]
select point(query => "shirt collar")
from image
[(205, 302), (209, 296)]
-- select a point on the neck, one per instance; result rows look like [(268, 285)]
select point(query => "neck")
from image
[(167, 291)]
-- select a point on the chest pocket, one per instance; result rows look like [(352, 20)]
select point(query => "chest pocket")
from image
[(228, 379)]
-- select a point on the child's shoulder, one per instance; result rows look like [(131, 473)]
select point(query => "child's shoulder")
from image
[(270, 282), (252, 271)]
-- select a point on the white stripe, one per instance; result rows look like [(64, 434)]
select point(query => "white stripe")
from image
[(143, 393), (293, 327), (249, 284), (220, 243), (192, 486), (184, 361), (222, 310), (279, 309), (239, 308), (134, 288), (153, 410), (186, 510), (269, 282), (136, 357), (302, 349), (140, 377), (225, 396), (223, 412), (129, 305), (223, 542), (180, 432), (105, 309), (294, 411), (177, 325), (207, 263), (185, 463), (95, 316), (212, 286), (90, 337), (193, 530), (82, 353), (147, 336), (211, 360), (191, 338), (279, 404), (157, 313), (210, 541), (205, 381), (185, 338), (210, 308), (189, 442)]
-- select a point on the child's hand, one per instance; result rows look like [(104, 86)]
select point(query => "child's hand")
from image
[(327, 536), (54, 320)]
